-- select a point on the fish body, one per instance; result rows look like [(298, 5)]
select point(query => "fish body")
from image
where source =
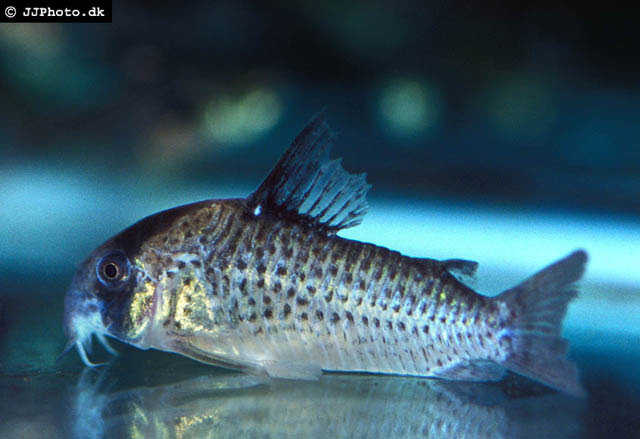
[(265, 285)]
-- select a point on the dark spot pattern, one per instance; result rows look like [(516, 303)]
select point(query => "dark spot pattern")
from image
[(329, 296), (349, 316)]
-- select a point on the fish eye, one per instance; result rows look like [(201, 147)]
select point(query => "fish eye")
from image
[(112, 268)]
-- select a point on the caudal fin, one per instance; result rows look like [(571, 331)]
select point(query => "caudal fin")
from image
[(532, 343)]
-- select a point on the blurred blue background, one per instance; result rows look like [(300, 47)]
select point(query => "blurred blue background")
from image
[(508, 135)]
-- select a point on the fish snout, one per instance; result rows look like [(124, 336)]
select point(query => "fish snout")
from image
[(82, 320), (81, 313)]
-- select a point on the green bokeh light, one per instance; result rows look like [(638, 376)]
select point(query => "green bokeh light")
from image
[(409, 107)]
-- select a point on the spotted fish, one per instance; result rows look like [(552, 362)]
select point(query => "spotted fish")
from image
[(265, 285)]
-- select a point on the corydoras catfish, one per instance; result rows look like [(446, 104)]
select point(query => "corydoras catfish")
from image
[(265, 285)]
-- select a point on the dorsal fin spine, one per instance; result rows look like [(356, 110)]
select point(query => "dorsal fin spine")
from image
[(307, 149)]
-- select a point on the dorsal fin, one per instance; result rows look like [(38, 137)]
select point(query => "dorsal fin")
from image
[(307, 186)]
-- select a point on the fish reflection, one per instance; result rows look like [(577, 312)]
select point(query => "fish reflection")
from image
[(239, 405)]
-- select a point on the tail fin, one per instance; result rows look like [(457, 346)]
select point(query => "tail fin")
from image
[(534, 347)]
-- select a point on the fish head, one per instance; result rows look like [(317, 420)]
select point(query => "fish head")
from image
[(115, 290), (111, 295)]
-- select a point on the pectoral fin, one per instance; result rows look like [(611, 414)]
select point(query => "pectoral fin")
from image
[(197, 354), (271, 368)]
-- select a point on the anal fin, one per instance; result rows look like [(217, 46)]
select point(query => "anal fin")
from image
[(474, 370)]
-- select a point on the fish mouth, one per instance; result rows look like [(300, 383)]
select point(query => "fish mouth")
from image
[(84, 346), (82, 321)]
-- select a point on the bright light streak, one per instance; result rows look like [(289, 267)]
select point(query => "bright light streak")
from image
[(524, 240), (51, 215)]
